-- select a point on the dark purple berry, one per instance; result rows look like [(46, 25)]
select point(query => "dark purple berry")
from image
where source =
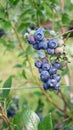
[(46, 66), (44, 76), (31, 40), (10, 112), (39, 34), (38, 64), (42, 45), (2, 32), (44, 59), (57, 86), (40, 70), (52, 70), (57, 65), (52, 82), (57, 77), (50, 51), (45, 86), (52, 43), (35, 46)]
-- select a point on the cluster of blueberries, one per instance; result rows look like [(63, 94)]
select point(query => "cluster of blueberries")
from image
[(39, 42), (48, 73), (11, 111)]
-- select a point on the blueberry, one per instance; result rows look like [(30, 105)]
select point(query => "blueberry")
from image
[(42, 45), (10, 112), (52, 82), (2, 32), (57, 77), (46, 66), (44, 59), (57, 65), (57, 86), (52, 70), (44, 76), (39, 34), (50, 51), (40, 70), (45, 86), (52, 43), (15, 106), (35, 46), (38, 64), (31, 40)]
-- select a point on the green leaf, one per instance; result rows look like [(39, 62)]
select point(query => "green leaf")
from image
[(7, 84), (2, 14), (24, 74), (65, 18), (14, 2), (29, 50), (46, 123), (18, 65), (64, 72), (31, 120)]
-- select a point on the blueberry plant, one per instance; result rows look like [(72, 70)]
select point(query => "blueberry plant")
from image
[(37, 95)]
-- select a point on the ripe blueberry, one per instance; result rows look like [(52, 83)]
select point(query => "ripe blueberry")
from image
[(57, 77), (46, 66), (52, 82), (52, 43), (39, 34), (45, 86), (44, 75), (31, 40), (52, 70), (10, 112), (42, 45), (35, 46), (38, 64), (50, 51), (57, 65), (2, 32)]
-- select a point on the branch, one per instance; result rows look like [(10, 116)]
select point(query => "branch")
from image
[(65, 103)]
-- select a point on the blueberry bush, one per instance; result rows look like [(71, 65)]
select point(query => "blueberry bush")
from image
[(36, 86)]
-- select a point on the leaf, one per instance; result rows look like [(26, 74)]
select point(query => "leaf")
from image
[(24, 74), (46, 123), (31, 120), (14, 2), (2, 14), (64, 72), (65, 18), (29, 50), (7, 84), (18, 65)]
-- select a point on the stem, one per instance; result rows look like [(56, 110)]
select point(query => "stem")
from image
[(5, 119), (64, 33), (62, 5), (37, 16), (65, 103), (69, 76)]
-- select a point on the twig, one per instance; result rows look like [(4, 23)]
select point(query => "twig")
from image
[(60, 125), (5, 119), (20, 88), (62, 5), (62, 96)]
